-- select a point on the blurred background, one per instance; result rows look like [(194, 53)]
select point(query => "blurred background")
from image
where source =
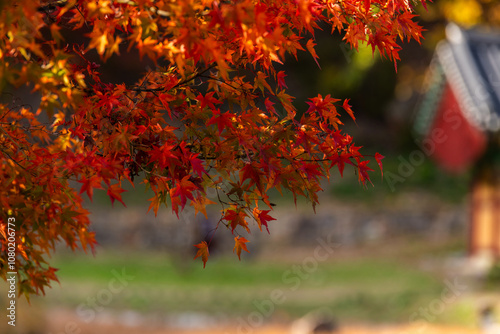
[(393, 257)]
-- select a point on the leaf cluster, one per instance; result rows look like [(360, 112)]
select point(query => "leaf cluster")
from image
[(213, 112)]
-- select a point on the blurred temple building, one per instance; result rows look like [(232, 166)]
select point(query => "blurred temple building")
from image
[(458, 123)]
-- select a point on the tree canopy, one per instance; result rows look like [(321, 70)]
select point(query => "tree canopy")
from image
[(211, 110)]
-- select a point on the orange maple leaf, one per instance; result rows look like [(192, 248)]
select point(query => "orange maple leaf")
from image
[(88, 185), (200, 203), (235, 218), (240, 244), (310, 47), (203, 252), (262, 217), (114, 193)]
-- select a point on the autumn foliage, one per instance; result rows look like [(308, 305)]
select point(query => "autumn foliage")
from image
[(213, 111)]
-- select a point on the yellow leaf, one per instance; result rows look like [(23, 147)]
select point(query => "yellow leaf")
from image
[(99, 43), (64, 141), (60, 118), (114, 47)]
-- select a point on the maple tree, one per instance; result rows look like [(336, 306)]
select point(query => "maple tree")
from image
[(212, 113)]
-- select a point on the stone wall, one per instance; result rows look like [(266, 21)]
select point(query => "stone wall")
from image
[(347, 223)]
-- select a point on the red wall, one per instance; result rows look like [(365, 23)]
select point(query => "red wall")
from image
[(460, 143)]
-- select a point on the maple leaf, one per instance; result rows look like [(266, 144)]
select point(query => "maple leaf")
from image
[(363, 171), (165, 99), (347, 108), (208, 100), (239, 245), (223, 120), (254, 174), (379, 158), (281, 79), (176, 203), (262, 218), (325, 107), (156, 201), (261, 82), (311, 170), (340, 160), (408, 27), (109, 101), (199, 204), (196, 164), (310, 47), (183, 190), (114, 193), (146, 47), (56, 35), (89, 184), (236, 218), (99, 43), (202, 252), (286, 101), (114, 48), (164, 155), (269, 106)]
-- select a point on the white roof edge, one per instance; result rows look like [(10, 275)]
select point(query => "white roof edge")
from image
[(471, 101), (454, 34)]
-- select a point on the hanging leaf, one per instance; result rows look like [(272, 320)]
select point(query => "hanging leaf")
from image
[(202, 252), (239, 245)]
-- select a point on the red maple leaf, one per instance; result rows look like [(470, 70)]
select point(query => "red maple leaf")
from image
[(236, 218), (164, 155), (347, 108), (262, 218), (379, 158), (165, 99), (183, 190), (363, 171), (223, 120), (311, 170), (281, 79), (254, 174), (89, 184), (208, 100), (340, 160), (196, 164), (114, 193), (269, 106)]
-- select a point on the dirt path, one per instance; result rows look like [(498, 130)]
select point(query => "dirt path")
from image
[(65, 321)]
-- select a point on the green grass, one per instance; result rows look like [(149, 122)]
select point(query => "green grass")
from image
[(362, 289)]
